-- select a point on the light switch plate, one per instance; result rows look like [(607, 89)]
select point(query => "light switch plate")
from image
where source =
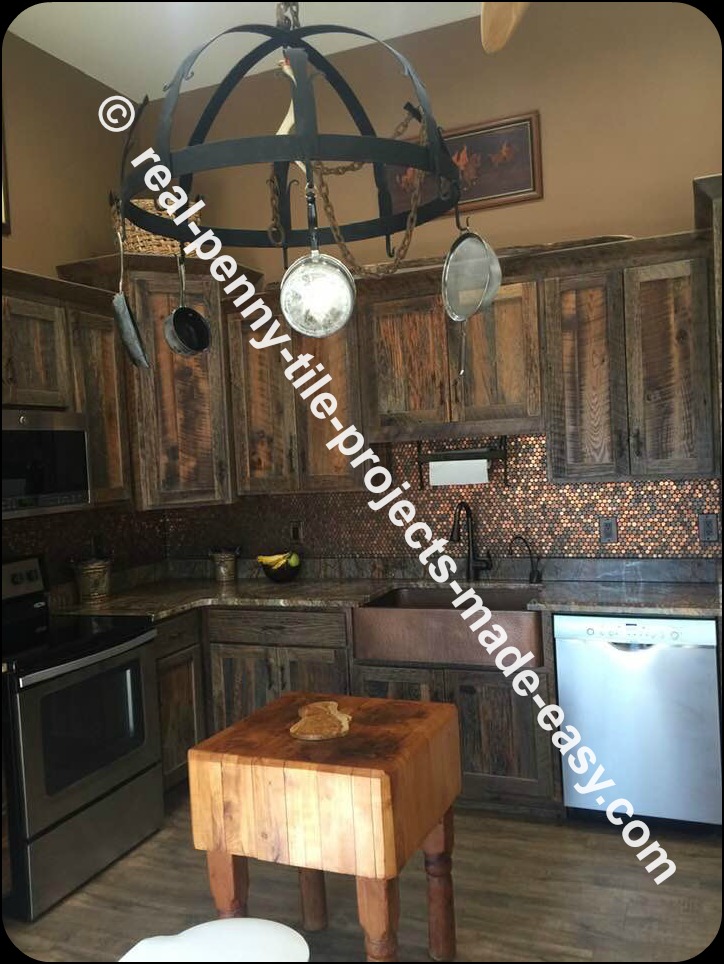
[(607, 529), (708, 527)]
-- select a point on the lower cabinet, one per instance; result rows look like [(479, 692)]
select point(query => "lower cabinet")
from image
[(179, 669), (244, 678), (507, 759)]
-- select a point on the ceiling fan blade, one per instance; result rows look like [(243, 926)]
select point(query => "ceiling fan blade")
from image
[(498, 22)]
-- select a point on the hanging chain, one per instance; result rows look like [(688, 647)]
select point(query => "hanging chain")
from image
[(276, 232), (403, 247), (288, 16)]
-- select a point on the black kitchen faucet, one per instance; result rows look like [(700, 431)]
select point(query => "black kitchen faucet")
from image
[(475, 565)]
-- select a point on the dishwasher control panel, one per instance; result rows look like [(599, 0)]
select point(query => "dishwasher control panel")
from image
[(636, 629)]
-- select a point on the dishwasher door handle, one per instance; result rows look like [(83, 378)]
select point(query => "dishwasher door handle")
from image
[(630, 647)]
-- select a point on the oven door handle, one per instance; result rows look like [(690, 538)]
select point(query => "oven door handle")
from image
[(53, 672)]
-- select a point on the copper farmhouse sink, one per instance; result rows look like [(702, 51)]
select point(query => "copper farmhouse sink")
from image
[(420, 625)]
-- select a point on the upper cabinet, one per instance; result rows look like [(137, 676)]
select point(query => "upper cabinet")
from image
[(500, 389), (411, 361), (99, 370), (36, 360), (628, 359), (178, 406), (669, 374), (280, 446)]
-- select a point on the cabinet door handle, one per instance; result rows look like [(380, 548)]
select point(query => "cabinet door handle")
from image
[(282, 676), (221, 471), (290, 458), (638, 449), (268, 664)]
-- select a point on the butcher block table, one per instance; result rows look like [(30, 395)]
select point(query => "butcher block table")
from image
[(360, 804)]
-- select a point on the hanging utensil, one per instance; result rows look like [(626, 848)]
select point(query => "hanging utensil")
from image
[(471, 278), (186, 331), (317, 295), (130, 335)]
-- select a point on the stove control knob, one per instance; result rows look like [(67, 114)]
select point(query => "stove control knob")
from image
[(674, 635), (16, 578), (590, 632)]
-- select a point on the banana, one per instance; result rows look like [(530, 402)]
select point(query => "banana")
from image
[(278, 559)]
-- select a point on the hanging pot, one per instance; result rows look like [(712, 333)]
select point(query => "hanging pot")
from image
[(130, 335), (317, 295), (471, 278), (186, 331)]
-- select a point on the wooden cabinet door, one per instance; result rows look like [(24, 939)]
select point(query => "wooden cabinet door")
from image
[(320, 468), (506, 756), (100, 394), (501, 385), (313, 670), (669, 373), (404, 363), (36, 361), (586, 378), (397, 682), (262, 409), (180, 691), (181, 452), (243, 679)]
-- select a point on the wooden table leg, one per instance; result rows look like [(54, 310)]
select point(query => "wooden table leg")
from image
[(437, 847), (313, 898), (229, 882), (378, 906)]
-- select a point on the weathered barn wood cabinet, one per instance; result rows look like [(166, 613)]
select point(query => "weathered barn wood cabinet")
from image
[(628, 369), (410, 361), (281, 445), (179, 670), (61, 350), (36, 360), (254, 656)]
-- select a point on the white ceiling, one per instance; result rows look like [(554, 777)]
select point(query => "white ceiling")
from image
[(135, 48)]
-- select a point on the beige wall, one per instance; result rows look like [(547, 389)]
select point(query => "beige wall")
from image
[(629, 96), (61, 163), (630, 101)]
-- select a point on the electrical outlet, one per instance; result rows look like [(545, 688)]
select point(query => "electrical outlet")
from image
[(295, 531), (708, 527), (607, 529)]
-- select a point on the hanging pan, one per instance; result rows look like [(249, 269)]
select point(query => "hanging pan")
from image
[(186, 331), (130, 335), (471, 278)]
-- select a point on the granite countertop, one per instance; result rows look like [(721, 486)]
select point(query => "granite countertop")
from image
[(170, 597), (643, 598), (161, 600)]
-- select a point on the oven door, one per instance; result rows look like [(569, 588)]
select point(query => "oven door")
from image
[(84, 731)]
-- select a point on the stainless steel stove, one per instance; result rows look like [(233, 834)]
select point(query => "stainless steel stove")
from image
[(81, 747)]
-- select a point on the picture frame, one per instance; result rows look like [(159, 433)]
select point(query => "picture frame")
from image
[(499, 163)]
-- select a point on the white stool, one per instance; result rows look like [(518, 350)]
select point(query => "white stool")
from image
[(231, 939)]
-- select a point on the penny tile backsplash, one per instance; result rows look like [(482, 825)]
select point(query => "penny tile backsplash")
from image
[(656, 519)]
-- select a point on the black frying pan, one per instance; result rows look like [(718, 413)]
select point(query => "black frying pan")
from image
[(130, 335), (186, 331)]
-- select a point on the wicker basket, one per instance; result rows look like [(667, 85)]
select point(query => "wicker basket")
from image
[(139, 241)]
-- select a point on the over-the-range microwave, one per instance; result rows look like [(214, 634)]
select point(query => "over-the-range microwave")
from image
[(45, 462)]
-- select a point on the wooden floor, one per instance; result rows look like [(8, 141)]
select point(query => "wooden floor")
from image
[(524, 892)]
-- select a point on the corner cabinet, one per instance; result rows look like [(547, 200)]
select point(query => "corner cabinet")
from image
[(410, 362), (629, 386)]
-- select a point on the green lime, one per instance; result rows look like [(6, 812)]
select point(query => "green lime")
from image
[(293, 560)]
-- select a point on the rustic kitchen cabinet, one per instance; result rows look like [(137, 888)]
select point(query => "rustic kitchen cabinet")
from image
[(397, 682), (36, 360), (629, 387), (179, 671), (98, 368), (280, 445), (410, 362), (256, 655), (506, 757)]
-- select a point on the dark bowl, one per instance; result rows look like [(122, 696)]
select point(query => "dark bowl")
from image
[(284, 573)]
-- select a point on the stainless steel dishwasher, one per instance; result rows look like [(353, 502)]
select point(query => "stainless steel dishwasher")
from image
[(643, 694)]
